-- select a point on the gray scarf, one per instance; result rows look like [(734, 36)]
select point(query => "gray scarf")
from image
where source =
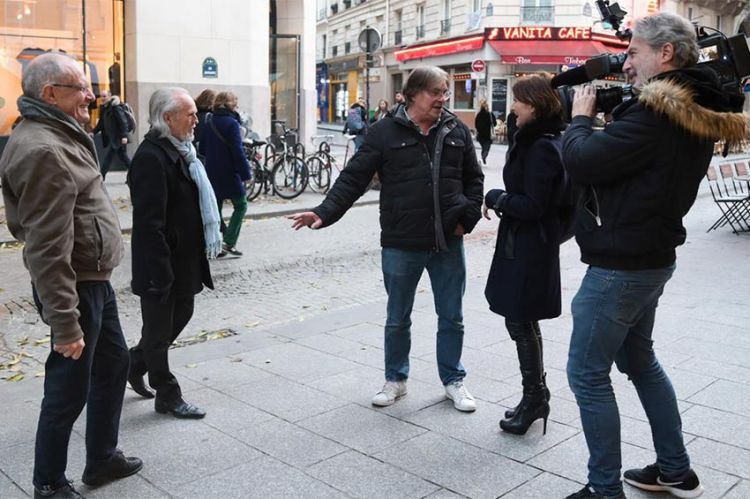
[(206, 197)]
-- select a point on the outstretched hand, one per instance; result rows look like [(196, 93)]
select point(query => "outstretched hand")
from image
[(305, 219)]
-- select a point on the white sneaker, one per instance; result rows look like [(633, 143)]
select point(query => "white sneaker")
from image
[(462, 399), (391, 392)]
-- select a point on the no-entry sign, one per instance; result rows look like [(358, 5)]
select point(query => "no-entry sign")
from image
[(478, 66)]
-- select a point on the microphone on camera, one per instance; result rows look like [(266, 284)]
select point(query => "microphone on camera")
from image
[(571, 77)]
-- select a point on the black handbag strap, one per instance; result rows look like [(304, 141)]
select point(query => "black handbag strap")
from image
[(210, 121)]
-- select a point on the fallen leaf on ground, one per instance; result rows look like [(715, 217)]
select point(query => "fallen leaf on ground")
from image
[(16, 377), (39, 374), (251, 325), (42, 341), (191, 366)]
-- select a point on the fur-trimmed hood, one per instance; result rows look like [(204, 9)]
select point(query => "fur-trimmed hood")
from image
[(694, 100)]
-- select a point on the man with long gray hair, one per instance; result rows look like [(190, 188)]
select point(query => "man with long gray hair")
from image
[(56, 203), (641, 176), (432, 193), (175, 231)]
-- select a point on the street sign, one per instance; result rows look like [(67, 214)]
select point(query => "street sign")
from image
[(369, 40), (478, 65)]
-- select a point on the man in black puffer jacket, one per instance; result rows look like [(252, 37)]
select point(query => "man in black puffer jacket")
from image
[(641, 174), (431, 195)]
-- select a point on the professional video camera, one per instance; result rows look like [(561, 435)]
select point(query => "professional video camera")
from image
[(729, 57)]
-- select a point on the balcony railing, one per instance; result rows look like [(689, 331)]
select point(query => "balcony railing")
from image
[(397, 37), (420, 32), (445, 26), (538, 15)]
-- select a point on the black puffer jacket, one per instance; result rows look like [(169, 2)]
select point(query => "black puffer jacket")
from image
[(425, 193), (643, 170)]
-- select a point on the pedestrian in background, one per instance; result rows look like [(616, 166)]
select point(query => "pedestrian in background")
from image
[(115, 123), (641, 175), (524, 280), (226, 164), (205, 104), (381, 112), (398, 101), (57, 205), (484, 123), (429, 200), (356, 123), (175, 231)]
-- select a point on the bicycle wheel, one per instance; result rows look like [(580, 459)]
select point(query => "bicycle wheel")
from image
[(258, 180), (319, 174), (289, 176)]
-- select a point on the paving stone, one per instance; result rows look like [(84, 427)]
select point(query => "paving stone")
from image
[(720, 370), (544, 485), (443, 494), (481, 429), (170, 450), (712, 351), (741, 490), (20, 407), (286, 399), (457, 466), (490, 390), (226, 413), (10, 490), (569, 458), (133, 487), (329, 343), (289, 443), (365, 477), (715, 485), (265, 477), (717, 425), (720, 456), (222, 373), (365, 355), (725, 395), (297, 362), (686, 383), (365, 430)]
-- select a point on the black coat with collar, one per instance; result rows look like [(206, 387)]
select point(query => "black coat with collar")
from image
[(168, 246), (524, 279), (427, 187)]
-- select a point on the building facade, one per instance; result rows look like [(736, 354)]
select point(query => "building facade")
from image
[(483, 44), (262, 50)]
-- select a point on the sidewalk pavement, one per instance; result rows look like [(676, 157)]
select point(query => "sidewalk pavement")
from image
[(289, 411)]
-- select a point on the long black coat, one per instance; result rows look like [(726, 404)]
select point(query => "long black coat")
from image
[(168, 247), (524, 280), (484, 122)]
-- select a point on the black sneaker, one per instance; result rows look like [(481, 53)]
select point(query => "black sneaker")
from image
[(588, 493), (232, 250), (651, 478), (65, 491)]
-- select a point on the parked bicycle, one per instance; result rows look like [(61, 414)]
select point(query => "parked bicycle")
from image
[(320, 165), (289, 174)]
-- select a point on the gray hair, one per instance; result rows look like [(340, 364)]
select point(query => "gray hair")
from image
[(663, 28), (423, 78), (44, 70), (163, 101)]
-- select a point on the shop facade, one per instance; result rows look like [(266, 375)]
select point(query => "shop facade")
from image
[(505, 53), (262, 50)]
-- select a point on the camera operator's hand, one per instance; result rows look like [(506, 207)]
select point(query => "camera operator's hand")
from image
[(584, 102)]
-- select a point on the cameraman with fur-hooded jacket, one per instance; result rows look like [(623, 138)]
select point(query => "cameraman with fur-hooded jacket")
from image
[(641, 176)]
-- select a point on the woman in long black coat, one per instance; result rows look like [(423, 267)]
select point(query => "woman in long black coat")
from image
[(524, 281), (484, 123)]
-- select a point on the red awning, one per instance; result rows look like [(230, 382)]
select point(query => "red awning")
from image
[(573, 52)]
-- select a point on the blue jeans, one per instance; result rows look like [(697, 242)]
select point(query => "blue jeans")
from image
[(96, 380), (613, 320), (401, 273)]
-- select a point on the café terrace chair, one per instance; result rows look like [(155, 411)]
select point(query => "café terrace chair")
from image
[(733, 203)]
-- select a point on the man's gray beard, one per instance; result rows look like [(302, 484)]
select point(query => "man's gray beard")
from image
[(188, 138)]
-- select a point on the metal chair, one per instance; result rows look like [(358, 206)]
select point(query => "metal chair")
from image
[(730, 198)]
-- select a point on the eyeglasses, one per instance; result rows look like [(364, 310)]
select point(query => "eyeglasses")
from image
[(80, 88), (439, 92)]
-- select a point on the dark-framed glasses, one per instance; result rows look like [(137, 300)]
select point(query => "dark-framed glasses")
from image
[(81, 88)]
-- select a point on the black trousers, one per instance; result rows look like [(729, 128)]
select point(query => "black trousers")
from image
[(97, 378), (121, 151), (162, 324), (486, 144)]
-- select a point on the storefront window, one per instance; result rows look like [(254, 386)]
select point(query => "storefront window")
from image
[(464, 90), (29, 28), (284, 76)]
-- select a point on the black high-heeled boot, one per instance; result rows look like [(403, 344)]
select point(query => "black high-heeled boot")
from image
[(538, 332), (534, 404)]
